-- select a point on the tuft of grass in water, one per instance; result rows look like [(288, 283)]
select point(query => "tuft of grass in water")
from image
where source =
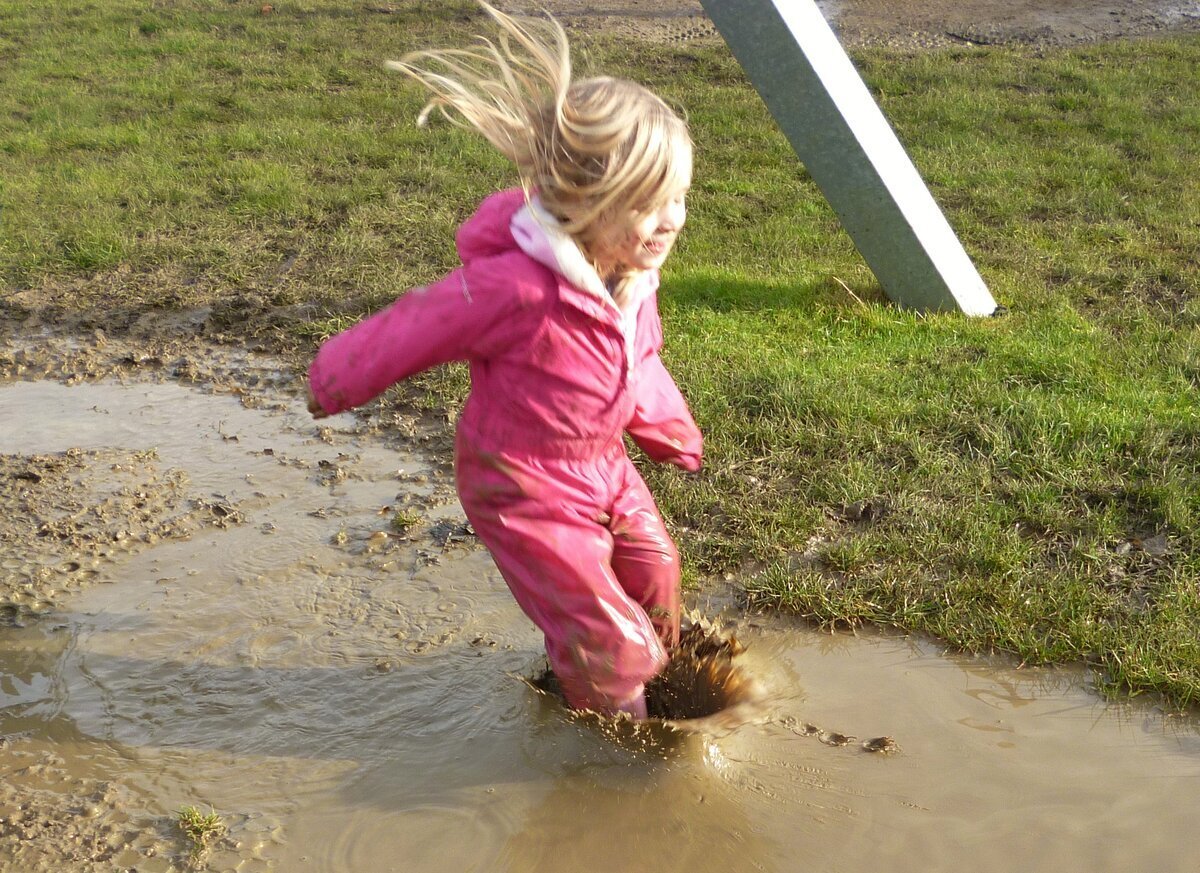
[(1027, 484), (200, 829), (404, 519)]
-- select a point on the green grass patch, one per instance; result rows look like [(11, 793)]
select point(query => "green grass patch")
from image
[(1026, 484), (201, 830)]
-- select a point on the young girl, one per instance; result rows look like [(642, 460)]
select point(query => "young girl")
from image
[(555, 310)]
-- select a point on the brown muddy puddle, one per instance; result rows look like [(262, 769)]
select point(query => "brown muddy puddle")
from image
[(353, 702)]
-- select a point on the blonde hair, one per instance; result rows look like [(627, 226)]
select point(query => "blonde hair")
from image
[(591, 149)]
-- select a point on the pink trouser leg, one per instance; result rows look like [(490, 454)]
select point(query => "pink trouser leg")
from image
[(589, 590), (645, 558)]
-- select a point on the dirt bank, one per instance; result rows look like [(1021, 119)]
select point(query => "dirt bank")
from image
[(908, 23)]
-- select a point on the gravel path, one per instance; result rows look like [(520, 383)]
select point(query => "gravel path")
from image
[(908, 23)]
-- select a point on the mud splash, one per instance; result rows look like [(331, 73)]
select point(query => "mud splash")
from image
[(299, 631), (701, 684), (700, 691)]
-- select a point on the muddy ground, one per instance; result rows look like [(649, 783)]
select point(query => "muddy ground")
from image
[(63, 515), (909, 23)]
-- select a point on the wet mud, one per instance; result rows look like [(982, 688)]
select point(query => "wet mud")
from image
[(701, 682), (290, 623), (117, 450), (700, 690)]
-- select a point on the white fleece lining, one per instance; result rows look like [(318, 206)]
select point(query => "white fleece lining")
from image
[(540, 235)]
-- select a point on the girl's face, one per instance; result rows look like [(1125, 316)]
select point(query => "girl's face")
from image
[(641, 239)]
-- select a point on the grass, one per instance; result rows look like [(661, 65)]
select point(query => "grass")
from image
[(1027, 484), (201, 830), (405, 519)]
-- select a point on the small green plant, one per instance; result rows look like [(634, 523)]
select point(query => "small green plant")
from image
[(405, 518), (200, 829)]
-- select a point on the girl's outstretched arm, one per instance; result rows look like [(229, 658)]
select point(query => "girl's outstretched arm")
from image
[(450, 320)]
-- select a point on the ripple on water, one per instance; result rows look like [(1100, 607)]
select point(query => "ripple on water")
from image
[(467, 833)]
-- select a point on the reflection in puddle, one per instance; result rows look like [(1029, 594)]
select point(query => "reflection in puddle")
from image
[(352, 702)]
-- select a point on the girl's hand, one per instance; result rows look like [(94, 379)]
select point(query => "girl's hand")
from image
[(313, 405)]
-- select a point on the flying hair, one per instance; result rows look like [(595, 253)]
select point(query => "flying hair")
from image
[(590, 149)]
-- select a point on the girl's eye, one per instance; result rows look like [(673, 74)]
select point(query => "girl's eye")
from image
[(645, 210)]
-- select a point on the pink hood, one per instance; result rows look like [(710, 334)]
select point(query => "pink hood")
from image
[(507, 220)]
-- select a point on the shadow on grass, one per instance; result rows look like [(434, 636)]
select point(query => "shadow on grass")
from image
[(723, 293)]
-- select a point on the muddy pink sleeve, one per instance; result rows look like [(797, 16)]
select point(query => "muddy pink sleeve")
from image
[(448, 321), (662, 425)]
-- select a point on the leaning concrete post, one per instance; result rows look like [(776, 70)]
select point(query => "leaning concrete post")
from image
[(822, 105)]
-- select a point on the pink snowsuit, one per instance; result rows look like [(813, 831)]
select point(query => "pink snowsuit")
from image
[(558, 373)]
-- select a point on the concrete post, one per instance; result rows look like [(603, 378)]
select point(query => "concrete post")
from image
[(820, 102)]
